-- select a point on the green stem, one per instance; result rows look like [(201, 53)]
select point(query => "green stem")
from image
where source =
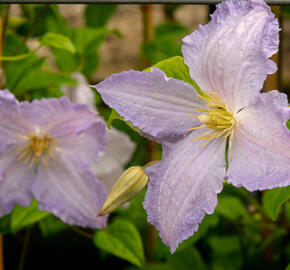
[(151, 232), (24, 249), (21, 56), (82, 232)]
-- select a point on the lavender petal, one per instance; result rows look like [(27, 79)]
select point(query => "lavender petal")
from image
[(183, 187), (158, 105), (229, 55), (261, 146)]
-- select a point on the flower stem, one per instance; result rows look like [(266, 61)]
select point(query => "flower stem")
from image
[(148, 27), (148, 31), (151, 232), (24, 249), (148, 35), (82, 232), (151, 240)]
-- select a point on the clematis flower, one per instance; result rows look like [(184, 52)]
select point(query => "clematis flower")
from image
[(46, 150), (120, 148), (228, 59)]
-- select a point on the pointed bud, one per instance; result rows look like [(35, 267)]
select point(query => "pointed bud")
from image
[(131, 182)]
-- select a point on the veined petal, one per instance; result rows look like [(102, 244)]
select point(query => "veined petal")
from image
[(87, 144), (229, 55), (70, 191), (15, 182), (261, 146), (12, 123), (183, 187), (158, 105), (58, 117)]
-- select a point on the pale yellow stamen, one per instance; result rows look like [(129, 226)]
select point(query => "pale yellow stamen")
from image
[(37, 148), (218, 117)]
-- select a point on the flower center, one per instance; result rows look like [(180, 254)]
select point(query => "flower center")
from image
[(217, 117), (38, 148)]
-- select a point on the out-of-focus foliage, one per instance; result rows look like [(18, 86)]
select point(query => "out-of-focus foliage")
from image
[(72, 50), (286, 12), (58, 41), (167, 42), (274, 199), (98, 15), (51, 226), (22, 217)]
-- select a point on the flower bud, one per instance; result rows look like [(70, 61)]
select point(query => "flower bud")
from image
[(131, 182)]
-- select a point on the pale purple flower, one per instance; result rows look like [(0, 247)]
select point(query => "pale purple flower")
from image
[(120, 148), (46, 150), (228, 59)]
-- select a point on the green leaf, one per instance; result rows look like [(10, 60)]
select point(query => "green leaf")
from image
[(66, 61), (18, 71), (167, 42), (161, 251), (186, 259), (88, 40), (287, 211), (22, 217), (91, 62), (5, 224), (286, 12), (288, 267), (40, 79), (1, 8), (15, 22), (114, 115), (174, 67), (51, 225), (58, 41), (98, 15), (288, 124), (223, 245), (207, 223), (122, 239), (171, 29), (273, 200), (231, 208)]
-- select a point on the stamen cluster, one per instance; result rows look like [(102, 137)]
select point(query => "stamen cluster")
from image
[(217, 117), (37, 148)]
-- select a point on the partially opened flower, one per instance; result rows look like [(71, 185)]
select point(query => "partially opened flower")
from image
[(46, 150), (120, 148), (228, 59)]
